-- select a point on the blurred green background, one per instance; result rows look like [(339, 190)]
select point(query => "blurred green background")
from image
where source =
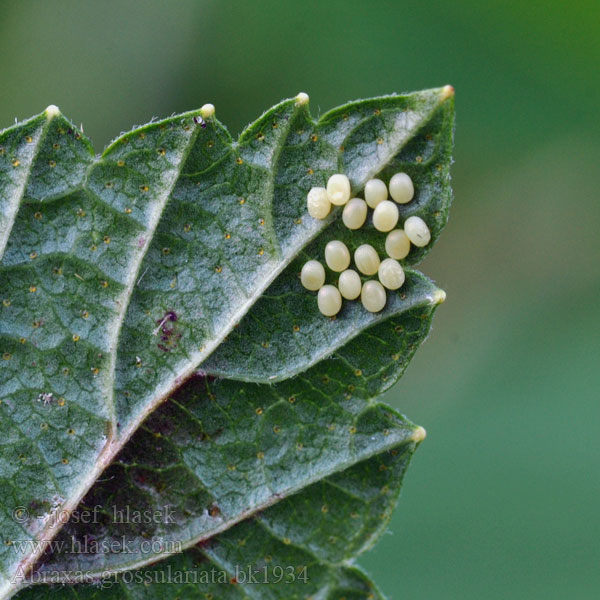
[(503, 499)]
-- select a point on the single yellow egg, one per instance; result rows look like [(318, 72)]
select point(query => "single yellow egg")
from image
[(207, 111), (366, 259), (312, 275), (354, 214), (338, 188), (349, 284), (373, 296), (317, 202), (302, 99), (417, 231), (385, 216), (391, 274), (329, 300), (337, 256), (397, 244), (401, 188), (375, 192)]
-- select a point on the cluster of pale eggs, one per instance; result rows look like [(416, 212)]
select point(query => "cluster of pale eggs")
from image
[(337, 256)]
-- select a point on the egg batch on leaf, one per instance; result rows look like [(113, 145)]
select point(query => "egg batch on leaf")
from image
[(385, 217)]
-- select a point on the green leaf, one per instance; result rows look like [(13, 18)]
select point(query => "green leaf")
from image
[(308, 537), (235, 448), (124, 274)]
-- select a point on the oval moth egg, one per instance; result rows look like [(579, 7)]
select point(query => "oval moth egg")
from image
[(373, 296), (329, 300), (401, 188), (350, 284), (366, 259), (385, 216), (312, 275), (317, 202), (397, 244), (375, 192), (354, 214), (391, 274), (417, 231), (337, 256), (338, 188)]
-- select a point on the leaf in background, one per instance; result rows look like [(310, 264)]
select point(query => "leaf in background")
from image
[(123, 273)]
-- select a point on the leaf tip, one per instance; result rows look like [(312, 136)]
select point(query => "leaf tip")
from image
[(438, 297), (52, 111), (447, 92), (418, 435), (207, 111), (302, 99)]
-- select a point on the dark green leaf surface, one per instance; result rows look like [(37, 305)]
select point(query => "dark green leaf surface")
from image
[(178, 249), (308, 537)]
